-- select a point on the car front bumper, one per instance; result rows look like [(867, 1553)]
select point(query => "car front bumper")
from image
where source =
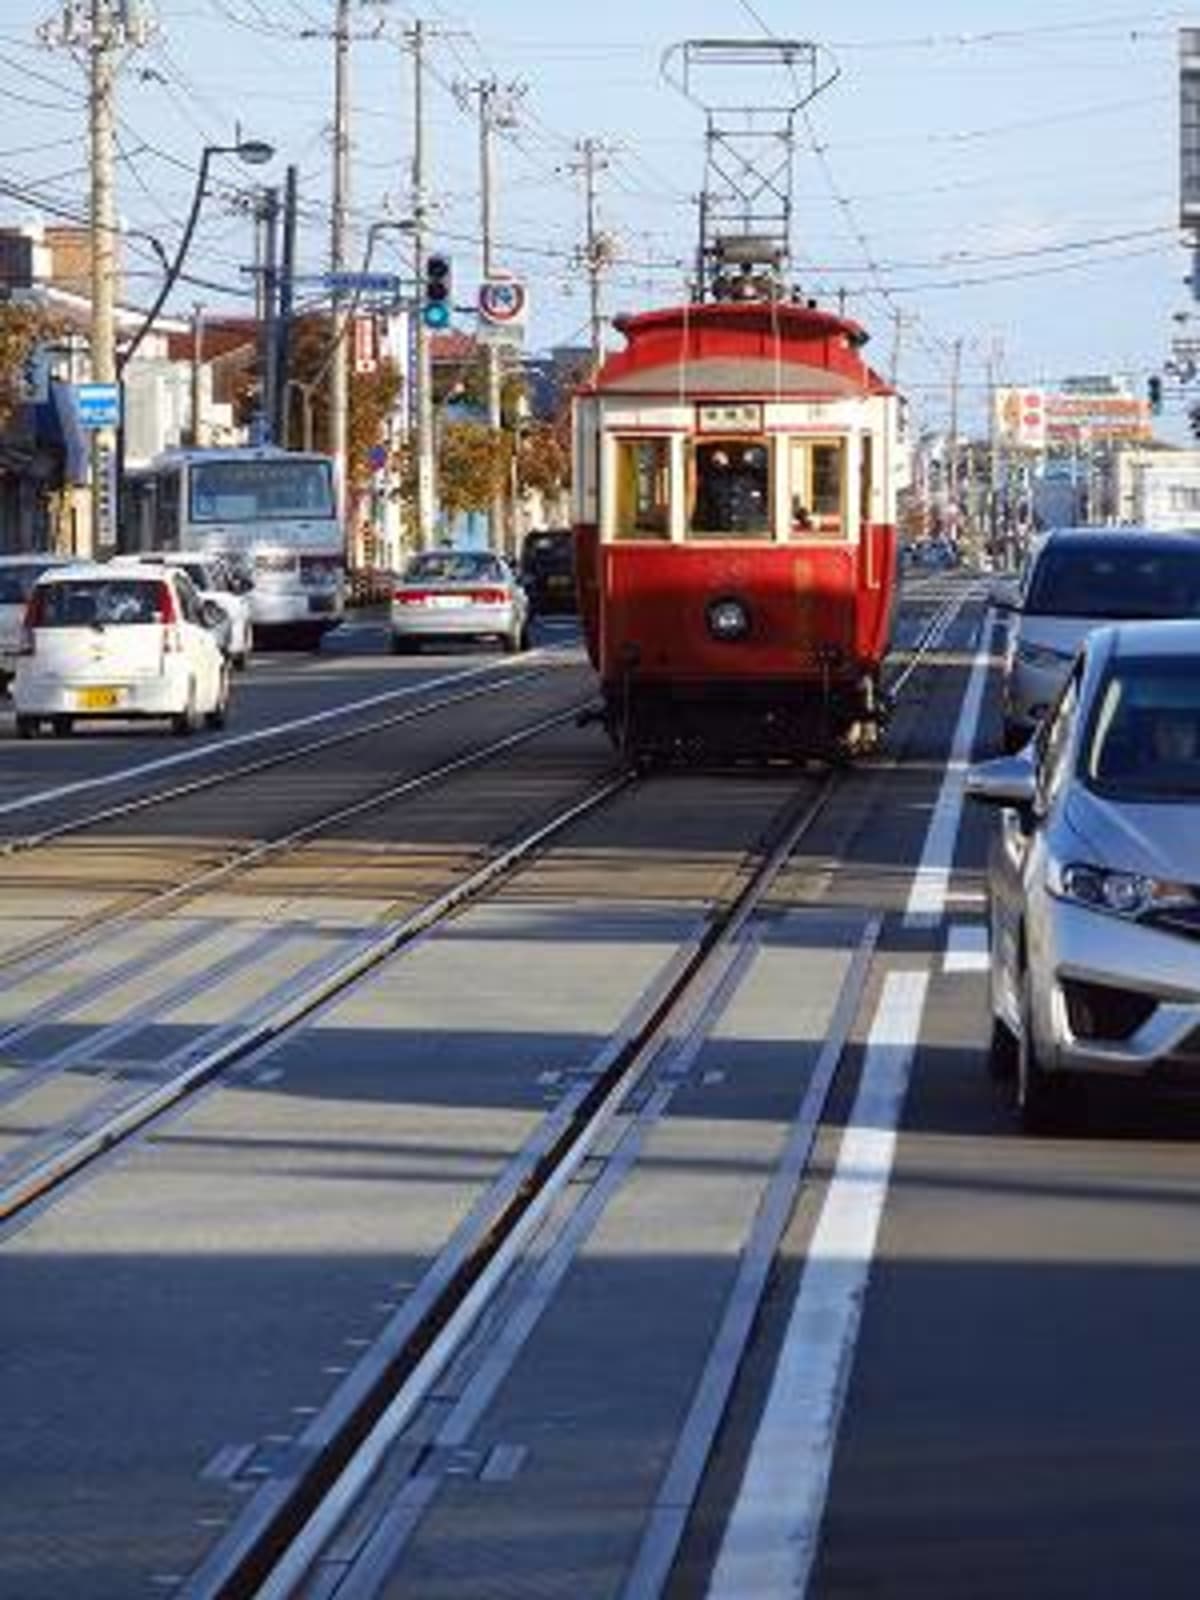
[(1148, 968)]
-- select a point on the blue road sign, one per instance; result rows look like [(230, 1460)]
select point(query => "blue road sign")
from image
[(362, 283), (98, 405)]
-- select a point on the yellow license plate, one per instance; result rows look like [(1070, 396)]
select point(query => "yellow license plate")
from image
[(96, 699)]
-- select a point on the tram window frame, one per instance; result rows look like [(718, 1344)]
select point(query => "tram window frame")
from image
[(866, 479), (630, 523), (805, 519), (729, 442)]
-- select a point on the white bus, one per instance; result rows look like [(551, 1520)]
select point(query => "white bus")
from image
[(272, 513)]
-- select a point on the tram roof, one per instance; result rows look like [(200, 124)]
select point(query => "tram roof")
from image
[(741, 347)]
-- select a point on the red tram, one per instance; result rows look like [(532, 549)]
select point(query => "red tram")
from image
[(736, 469)]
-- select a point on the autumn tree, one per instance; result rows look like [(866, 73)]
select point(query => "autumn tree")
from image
[(543, 459), (22, 329), (472, 467)]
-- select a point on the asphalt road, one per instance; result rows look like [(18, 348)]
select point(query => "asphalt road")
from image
[(971, 1373)]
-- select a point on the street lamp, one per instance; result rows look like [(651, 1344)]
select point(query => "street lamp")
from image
[(255, 153)]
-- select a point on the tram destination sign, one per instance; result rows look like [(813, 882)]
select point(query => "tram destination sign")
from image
[(740, 417)]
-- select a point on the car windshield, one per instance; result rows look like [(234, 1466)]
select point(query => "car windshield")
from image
[(1120, 583), (260, 491), (1144, 741), (16, 583), (454, 566), (89, 603)]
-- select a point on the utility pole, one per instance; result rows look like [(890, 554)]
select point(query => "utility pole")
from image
[(281, 355), (955, 376), (495, 111), (994, 500), (595, 253), (100, 32), (416, 38), (897, 345), (339, 372), (268, 219)]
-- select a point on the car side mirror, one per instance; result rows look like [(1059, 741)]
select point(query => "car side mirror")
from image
[(1006, 781)]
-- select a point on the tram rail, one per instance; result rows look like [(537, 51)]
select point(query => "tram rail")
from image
[(271, 1550), (290, 1519), (112, 1123)]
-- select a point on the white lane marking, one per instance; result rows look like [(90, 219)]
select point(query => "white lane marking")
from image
[(966, 948), (927, 897), (771, 1538), (202, 752)]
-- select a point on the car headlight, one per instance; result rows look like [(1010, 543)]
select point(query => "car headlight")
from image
[(1122, 894), (1040, 655)]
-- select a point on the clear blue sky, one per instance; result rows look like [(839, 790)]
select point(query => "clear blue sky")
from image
[(1031, 147)]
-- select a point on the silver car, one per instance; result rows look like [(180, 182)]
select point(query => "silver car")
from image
[(1094, 878), (1077, 580), (458, 594)]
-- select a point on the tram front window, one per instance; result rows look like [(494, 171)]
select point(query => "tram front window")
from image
[(731, 490), (643, 489), (818, 489)]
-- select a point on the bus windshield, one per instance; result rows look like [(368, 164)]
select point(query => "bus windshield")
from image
[(260, 491)]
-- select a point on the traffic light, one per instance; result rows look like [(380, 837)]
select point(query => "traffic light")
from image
[(436, 307), (1154, 393), (1194, 421)]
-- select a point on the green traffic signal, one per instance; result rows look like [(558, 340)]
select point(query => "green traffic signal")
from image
[(435, 311)]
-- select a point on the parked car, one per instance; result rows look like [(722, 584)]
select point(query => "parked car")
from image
[(548, 570), (18, 574), (117, 641), (1076, 580), (1094, 877), (458, 594), (217, 581)]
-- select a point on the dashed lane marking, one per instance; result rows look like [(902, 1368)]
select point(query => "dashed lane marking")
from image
[(967, 948)]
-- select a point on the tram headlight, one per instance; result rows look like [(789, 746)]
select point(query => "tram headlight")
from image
[(728, 618)]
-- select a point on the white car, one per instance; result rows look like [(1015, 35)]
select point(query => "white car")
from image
[(18, 574), (125, 641), (1077, 579), (458, 594), (216, 581)]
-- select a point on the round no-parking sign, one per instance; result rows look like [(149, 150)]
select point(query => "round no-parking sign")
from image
[(502, 306)]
